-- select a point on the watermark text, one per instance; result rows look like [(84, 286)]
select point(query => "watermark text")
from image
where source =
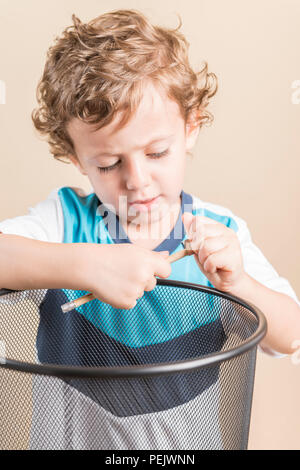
[(2, 92), (296, 94), (2, 352)]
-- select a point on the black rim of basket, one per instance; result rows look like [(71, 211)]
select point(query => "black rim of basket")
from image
[(188, 365)]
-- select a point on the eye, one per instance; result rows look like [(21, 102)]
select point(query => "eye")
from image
[(158, 155), (105, 169)]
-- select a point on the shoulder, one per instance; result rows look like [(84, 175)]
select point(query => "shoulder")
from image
[(56, 195), (54, 204), (74, 192), (43, 221), (82, 215), (77, 202), (219, 213)]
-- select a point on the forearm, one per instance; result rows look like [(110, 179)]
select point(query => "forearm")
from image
[(281, 311), (32, 264)]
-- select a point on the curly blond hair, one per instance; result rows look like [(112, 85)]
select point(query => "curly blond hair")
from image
[(97, 69)]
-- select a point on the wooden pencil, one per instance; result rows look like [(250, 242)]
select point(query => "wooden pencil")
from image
[(187, 251)]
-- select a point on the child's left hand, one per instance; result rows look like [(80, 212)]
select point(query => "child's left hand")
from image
[(217, 251)]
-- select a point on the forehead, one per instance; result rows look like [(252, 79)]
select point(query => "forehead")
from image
[(156, 115)]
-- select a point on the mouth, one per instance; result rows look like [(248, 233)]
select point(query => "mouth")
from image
[(146, 203)]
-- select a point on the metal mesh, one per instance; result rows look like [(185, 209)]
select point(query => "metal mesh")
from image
[(187, 406)]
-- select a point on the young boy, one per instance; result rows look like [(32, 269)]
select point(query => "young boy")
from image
[(119, 100)]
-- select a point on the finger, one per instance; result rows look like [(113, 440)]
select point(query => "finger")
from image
[(218, 260), (187, 219), (129, 305), (139, 293), (205, 227), (151, 284), (165, 254), (209, 246), (207, 220), (162, 267), (208, 230), (192, 224)]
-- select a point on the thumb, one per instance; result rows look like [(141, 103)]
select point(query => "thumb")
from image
[(187, 219)]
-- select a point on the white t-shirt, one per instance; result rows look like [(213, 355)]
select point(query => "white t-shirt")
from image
[(49, 221), (163, 415)]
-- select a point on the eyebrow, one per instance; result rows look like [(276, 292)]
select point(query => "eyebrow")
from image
[(157, 139)]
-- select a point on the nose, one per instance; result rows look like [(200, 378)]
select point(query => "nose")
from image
[(137, 175)]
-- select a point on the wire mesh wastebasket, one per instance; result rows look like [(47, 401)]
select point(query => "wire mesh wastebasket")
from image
[(176, 372)]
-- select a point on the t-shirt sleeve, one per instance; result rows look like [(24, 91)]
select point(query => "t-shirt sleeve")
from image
[(43, 221), (258, 267)]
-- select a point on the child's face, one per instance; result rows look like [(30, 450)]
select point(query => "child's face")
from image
[(140, 170)]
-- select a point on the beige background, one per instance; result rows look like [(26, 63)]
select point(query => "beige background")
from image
[(247, 161)]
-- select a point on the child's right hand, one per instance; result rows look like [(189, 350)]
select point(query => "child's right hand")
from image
[(118, 274)]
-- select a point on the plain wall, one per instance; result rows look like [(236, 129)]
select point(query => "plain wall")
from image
[(248, 160)]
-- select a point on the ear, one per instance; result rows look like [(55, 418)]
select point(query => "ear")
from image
[(192, 129), (77, 163)]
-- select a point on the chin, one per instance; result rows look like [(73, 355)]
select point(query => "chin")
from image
[(145, 218)]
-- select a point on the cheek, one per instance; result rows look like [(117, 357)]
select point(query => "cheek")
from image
[(104, 186), (177, 168)]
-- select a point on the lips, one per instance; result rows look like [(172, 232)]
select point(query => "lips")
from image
[(145, 201)]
